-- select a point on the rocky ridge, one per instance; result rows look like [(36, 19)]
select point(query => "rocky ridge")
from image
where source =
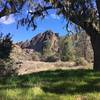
[(37, 43)]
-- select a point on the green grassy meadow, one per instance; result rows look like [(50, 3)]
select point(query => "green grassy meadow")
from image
[(52, 85)]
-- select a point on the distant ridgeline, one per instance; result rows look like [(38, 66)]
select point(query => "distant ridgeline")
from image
[(50, 43)]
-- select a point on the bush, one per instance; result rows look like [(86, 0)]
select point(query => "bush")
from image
[(7, 67), (36, 56), (6, 64), (81, 61), (67, 52), (52, 59), (5, 46), (46, 47)]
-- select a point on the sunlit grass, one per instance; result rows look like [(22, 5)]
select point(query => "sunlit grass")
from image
[(52, 85)]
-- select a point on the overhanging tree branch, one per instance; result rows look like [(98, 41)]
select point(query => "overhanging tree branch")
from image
[(14, 8)]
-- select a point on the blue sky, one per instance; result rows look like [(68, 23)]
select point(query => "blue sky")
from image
[(51, 22)]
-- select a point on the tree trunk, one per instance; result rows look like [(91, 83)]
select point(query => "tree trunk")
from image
[(98, 6), (95, 40)]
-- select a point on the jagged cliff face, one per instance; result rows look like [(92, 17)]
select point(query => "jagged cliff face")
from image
[(37, 42)]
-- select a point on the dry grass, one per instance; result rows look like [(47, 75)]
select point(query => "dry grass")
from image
[(27, 67)]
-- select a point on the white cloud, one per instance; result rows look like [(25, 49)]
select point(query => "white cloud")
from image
[(7, 19), (54, 16)]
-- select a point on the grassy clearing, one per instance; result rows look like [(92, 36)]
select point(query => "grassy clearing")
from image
[(52, 85)]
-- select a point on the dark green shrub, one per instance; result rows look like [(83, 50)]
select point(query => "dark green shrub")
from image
[(46, 48), (67, 52), (52, 58), (6, 64), (5, 46), (7, 67)]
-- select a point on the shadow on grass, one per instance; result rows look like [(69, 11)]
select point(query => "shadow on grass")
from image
[(59, 81)]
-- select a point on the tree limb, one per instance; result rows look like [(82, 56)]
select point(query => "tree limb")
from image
[(13, 8)]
